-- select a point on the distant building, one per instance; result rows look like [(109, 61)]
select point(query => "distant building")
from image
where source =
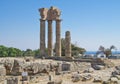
[(88, 56), (100, 55)]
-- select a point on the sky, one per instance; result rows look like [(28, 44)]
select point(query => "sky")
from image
[(91, 22)]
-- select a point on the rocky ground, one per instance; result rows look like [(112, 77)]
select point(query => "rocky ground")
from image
[(66, 78), (97, 72)]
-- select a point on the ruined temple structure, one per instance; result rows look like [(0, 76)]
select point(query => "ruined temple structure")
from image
[(50, 15)]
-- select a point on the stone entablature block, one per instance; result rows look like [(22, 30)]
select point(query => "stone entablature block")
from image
[(50, 14)]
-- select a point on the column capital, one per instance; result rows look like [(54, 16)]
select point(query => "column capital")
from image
[(49, 20), (58, 20), (41, 19)]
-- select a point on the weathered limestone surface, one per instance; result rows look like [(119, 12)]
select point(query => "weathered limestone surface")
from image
[(39, 67), (42, 37), (43, 13), (2, 71), (35, 67), (8, 64), (76, 77), (98, 79), (52, 14), (50, 49), (12, 80), (58, 38), (67, 44), (17, 67)]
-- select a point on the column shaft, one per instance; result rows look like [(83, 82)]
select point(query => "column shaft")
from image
[(67, 44), (50, 47), (58, 38), (42, 38)]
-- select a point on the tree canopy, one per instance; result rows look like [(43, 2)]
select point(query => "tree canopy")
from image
[(74, 48), (106, 51), (15, 52)]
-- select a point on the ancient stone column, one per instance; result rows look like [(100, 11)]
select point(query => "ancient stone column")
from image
[(67, 44), (42, 37), (50, 47), (58, 38)]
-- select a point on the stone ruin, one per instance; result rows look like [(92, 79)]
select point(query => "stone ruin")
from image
[(67, 44), (37, 68), (50, 15), (12, 80), (11, 76), (14, 67)]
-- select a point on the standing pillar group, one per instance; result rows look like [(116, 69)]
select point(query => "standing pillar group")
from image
[(50, 15)]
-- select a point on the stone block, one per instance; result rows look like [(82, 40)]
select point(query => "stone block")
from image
[(12, 80), (2, 71)]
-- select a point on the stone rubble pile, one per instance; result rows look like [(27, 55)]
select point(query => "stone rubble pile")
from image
[(81, 77), (55, 82), (98, 79), (8, 64), (84, 70)]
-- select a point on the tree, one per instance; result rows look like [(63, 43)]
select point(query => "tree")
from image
[(112, 47), (12, 52), (101, 49), (4, 54), (28, 52), (63, 47), (75, 50), (36, 52), (9, 51), (3, 51), (19, 52), (106, 51), (15, 52)]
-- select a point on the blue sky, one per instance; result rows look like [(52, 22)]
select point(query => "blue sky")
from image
[(91, 22)]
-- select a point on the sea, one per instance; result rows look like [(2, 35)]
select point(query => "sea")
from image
[(94, 52)]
